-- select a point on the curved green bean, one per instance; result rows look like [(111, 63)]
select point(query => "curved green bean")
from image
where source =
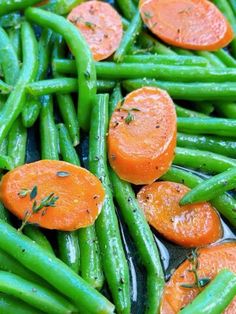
[(17, 139), (8, 6), (211, 58), (228, 110), (188, 91), (8, 59), (115, 98), (129, 37), (212, 144), (184, 112), (143, 238), (216, 296), (113, 257), (225, 57), (14, 104), (127, 8), (212, 187), (55, 272), (79, 48), (34, 294), (224, 203), (202, 160), (9, 304), (217, 126)]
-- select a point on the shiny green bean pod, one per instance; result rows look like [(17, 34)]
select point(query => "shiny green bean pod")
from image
[(34, 294), (113, 257), (115, 98), (5, 88), (188, 91), (143, 238), (9, 304), (65, 101), (63, 85), (48, 130), (84, 60), (226, 58), (224, 203), (54, 271), (209, 143), (202, 160), (32, 106), (8, 6), (212, 187), (68, 242), (127, 8), (17, 139), (14, 36), (184, 112), (148, 42), (8, 59), (217, 126), (11, 265), (16, 100), (215, 297), (6, 162), (228, 110), (165, 60), (129, 37), (36, 235), (12, 20), (211, 58)]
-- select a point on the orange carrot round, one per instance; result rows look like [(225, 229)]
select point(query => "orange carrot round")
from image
[(190, 24), (142, 136), (78, 194), (211, 261), (190, 226), (101, 26)]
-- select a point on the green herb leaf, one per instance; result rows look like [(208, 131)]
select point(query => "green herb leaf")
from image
[(129, 118), (63, 174), (23, 193), (33, 192)]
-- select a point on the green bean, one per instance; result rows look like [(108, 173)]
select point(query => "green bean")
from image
[(113, 257), (182, 52), (212, 59), (233, 5), (8, 6), (3, 147), (148, 42), (216, 297), (32, 107), (65, 101), (184, 112), (16, 100), (188, 91), (224, 203), (55, 272), (5, 88), (202, 160), (11, 265), (69, 251), (212, 144), (6, 162), (217, 126), (212, 187), (225, 57), (48, 130), (228, 110), (162, 60), (143, 238), (17, 143), (12, 20), (110, 70), (63, 85), (115, 98), (61, 7), (127, 8), (36, 235), (9, 304), (129, 37), (84, 60), (4, 213), (8, 57), (34, 294), (14, 36)]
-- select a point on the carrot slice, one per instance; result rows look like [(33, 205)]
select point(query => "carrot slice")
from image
[(190, 226), (190, 24), (80, 194), (142, 136), (101, 26), (211, 261)]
